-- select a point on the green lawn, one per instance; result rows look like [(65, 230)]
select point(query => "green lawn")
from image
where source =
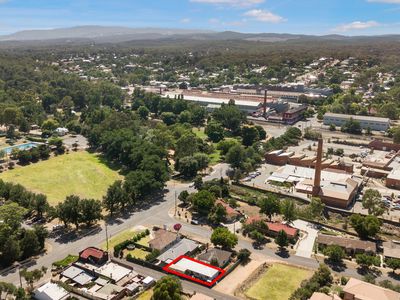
[(215, 157), (278, 283), (145, 241), (119, 238), (78, 173), (138, 253), (200, 133)]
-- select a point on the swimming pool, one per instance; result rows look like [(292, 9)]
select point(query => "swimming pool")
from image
[(26, 146)]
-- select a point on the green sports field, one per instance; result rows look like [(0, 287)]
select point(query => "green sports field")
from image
[(78, 173)]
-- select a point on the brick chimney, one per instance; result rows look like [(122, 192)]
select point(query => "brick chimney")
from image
[(318, 169)]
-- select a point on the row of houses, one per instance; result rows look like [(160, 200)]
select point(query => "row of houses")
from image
[(95, 277)]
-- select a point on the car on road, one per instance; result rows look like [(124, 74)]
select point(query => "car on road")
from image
[(194, 222)]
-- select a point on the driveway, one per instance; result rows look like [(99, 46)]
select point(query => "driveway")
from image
[(306, 244)]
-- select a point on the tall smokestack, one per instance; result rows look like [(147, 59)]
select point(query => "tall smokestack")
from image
[(265, 102), (318, 169)]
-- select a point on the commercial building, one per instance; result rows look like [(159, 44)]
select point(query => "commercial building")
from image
[(334, 187), (374, 123), (294, 114), (360, 290)]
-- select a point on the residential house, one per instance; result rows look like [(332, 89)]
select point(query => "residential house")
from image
[(50, 291), (322, 296), (349, 245), (391, 249), (231, 214), (215, 255), (183, 247), (360, 290), (275, 227), (93, 255), (163, 240)]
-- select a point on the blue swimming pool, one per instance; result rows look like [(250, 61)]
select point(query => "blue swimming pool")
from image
[(26, 146)]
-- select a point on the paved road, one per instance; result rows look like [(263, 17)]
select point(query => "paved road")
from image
[(187, 286), (158, 214)]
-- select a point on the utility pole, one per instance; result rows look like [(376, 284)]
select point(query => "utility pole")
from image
[(19, 274), (106, 235)]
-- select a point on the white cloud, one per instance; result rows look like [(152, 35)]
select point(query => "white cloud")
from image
[(264, 16), (357, 25), (186, 20), (237, 3), (385, 1)]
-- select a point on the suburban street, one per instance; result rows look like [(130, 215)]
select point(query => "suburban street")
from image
[(158, 215)]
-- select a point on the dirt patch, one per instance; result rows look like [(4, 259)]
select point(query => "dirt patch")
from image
[(246, 284), (232, 282)]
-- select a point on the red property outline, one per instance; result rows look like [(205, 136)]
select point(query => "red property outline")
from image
[(209, 284)]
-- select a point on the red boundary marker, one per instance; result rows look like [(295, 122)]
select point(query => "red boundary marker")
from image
[(208, 284)]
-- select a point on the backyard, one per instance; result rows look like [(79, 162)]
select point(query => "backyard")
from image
[(278, 282), (77, 173)]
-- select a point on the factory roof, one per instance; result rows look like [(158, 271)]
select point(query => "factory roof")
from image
[(359, 118), (211, 100)]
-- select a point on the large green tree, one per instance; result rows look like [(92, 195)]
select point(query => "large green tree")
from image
[(167, 288), (221, 236)]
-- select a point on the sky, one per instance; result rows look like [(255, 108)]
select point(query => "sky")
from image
[(319, 17)]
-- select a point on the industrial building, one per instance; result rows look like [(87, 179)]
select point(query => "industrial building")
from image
[(374, 123), (248, 107), (334, 187)]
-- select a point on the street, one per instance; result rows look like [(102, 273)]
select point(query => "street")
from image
[(158, 215)]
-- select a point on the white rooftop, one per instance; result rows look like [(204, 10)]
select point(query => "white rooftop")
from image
[(72, 272), (113, 271), (186, 264), (50, 291), (219, 101), (181, 248)]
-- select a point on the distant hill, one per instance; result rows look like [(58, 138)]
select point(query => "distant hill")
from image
[(114, 34), (99, 33)]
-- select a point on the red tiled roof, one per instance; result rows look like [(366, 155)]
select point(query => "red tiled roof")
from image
[(229, 210), (253, 219), (92, 252), (276, 227)]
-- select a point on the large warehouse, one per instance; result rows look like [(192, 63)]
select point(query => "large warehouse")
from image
[(374, 123), (248, 107)]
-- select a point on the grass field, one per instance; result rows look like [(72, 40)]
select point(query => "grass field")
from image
[(138, 253), (277, 283), (215, 157), (78, 173), (119, 238)]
